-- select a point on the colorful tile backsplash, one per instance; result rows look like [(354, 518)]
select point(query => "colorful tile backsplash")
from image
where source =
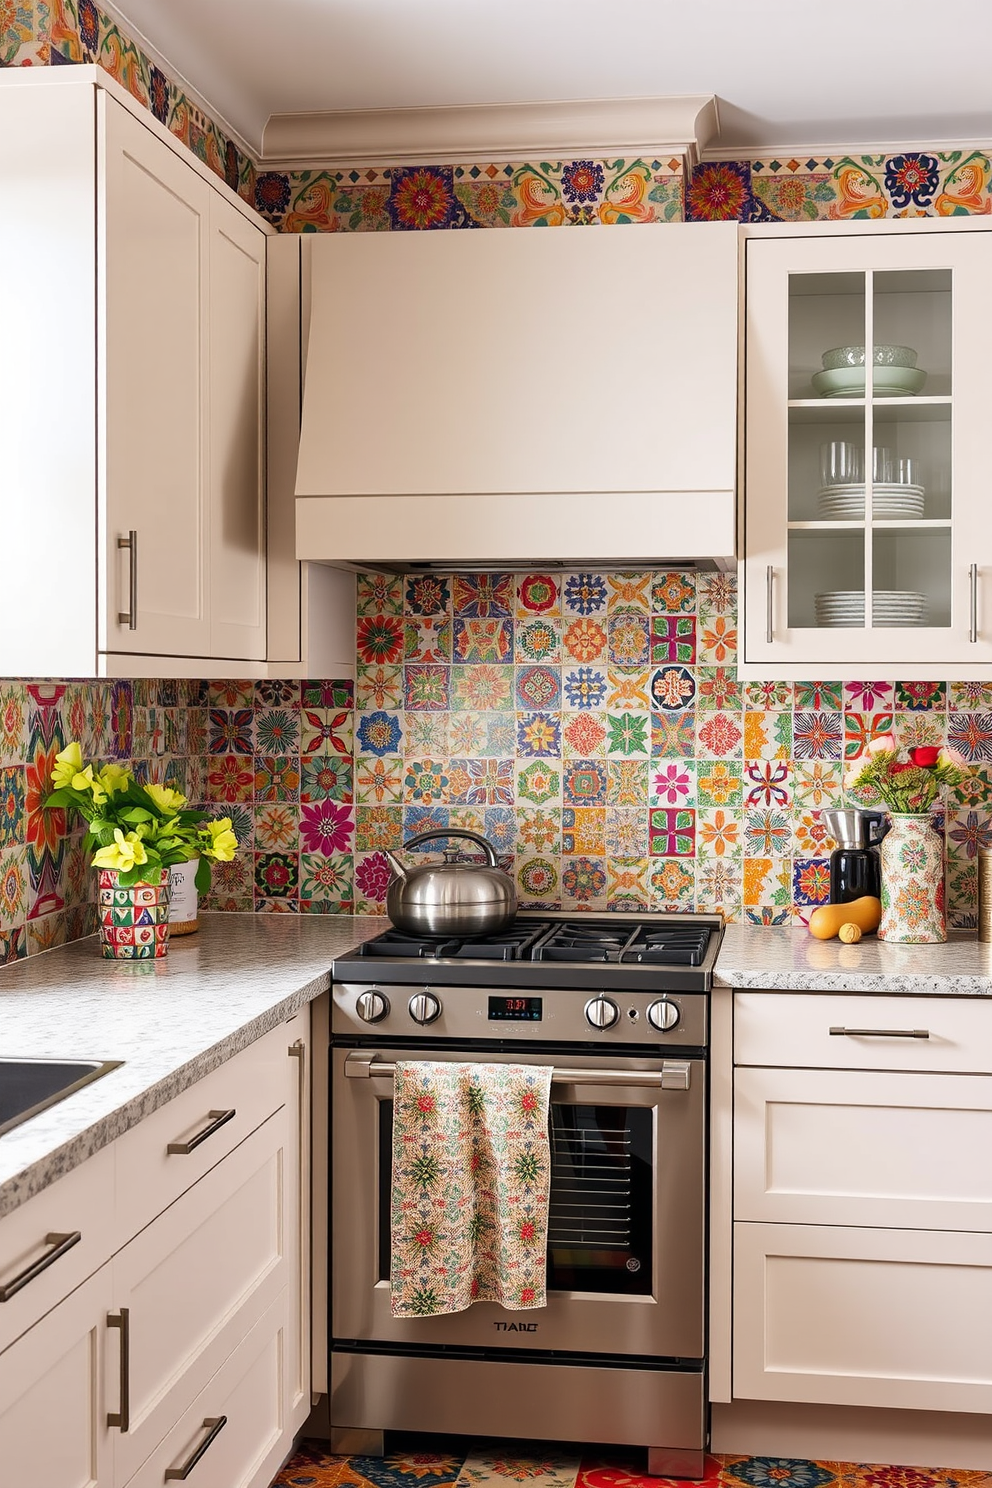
[(590, 724), (916, 183)]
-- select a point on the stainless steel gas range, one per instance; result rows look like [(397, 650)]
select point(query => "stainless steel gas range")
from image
[(618, 1006)]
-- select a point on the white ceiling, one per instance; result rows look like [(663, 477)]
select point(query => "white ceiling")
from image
[(789, 74)]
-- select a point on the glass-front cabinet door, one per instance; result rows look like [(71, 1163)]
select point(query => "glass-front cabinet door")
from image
[(868, 455)]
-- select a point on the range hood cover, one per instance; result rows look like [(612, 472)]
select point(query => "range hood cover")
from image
[(508, 398)]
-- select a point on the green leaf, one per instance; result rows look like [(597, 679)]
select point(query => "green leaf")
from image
[(202, 879), (137, 814)]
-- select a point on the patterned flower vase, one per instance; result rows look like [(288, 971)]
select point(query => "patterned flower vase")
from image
[(134, 922), (912, 855)]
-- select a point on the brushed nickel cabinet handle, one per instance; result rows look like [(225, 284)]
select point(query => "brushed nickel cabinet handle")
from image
[(122, 1418), (299, 1051), (214, 1426), (919, 1033), (973, 622), (216, 1119), (769, 604), (129, 617), (60, 1244)]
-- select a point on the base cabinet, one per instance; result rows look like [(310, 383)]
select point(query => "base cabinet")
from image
[(200, 1315), (862, 1234)]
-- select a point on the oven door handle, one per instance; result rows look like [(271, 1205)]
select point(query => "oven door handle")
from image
[(674, 1074)]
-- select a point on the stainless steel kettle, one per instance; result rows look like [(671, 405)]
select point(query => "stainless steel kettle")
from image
[(451, 898)]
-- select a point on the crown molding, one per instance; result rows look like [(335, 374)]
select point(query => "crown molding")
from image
[(657, 127)]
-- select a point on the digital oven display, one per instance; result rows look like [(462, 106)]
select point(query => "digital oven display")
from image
[(515, 1009)]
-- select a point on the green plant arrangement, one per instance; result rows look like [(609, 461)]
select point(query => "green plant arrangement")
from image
[(907, 786), (139, 830)]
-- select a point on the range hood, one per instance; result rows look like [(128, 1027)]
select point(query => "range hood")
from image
[(505, 399)]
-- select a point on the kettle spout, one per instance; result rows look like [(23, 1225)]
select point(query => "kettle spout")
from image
[(395, 864)]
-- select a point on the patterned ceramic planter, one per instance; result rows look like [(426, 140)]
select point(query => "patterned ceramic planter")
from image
[(134, 922), (912, 856)]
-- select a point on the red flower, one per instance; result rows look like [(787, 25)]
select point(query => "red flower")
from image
[(527, 1294), (421, 198), (924, 755), (424, 1237), (529, 1100), (717, 193), (527, 1230), (425, 1103)]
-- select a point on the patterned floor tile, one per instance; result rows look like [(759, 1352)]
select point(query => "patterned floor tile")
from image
[(505, 1462)]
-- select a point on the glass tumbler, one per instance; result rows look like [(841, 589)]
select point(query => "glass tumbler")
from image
[(883, 465), (840, 463)]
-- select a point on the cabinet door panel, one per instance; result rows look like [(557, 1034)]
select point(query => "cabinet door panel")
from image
[(813, 548), (154, 290), (863, 1148), (196, 1279), (235, 423), (53, 1374), (863, 1317)]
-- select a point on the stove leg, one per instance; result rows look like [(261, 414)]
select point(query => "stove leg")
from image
[(676, 1462), (353, 1441)]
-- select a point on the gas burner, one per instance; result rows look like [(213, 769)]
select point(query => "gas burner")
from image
[(513, 944), (673, 952)]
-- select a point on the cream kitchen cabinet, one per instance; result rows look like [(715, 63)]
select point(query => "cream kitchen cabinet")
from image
[(510, 396), (133, 375), (866, 549), (198, 1310), (862, 1234)]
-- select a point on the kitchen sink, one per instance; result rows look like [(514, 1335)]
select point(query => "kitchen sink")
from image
[(28, 1086)]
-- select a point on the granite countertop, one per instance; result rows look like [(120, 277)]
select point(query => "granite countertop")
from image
[(171, 1022), (786, 959)]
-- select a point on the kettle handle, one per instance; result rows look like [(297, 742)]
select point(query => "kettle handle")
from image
[(482, 842), (875, 819)]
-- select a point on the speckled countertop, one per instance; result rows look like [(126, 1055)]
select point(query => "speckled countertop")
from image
[(171, 1022), (174, 1021), (792, 960)]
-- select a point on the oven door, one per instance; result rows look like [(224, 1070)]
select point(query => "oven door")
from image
[(625, 1273)]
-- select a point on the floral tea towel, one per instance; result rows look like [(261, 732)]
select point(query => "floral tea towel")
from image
[(470, 1188)]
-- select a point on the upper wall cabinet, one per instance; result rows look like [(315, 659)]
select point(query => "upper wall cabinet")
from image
[(866, 535), (517, 395), (133, 376)]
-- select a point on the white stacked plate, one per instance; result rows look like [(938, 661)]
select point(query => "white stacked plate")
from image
[(890, 500), (889, 607)]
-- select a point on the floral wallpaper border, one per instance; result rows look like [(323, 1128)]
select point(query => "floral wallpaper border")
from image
[(584, 192)]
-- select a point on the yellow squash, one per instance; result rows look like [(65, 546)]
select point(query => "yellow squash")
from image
[(826, 921)]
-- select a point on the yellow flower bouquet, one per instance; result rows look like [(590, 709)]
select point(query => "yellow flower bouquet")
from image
[(139, 830)]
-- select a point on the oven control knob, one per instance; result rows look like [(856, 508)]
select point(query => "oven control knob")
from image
[(663, 1014), (424, 1008), (372, 1007), (602, 1012)]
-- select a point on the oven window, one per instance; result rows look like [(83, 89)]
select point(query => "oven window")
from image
[(600, 1228)]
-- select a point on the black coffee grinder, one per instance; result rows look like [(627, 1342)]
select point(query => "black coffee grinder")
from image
[(854, 864)]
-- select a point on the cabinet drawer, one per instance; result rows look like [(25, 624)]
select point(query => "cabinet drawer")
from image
[(248, 1390), (794, 1029), (863, 1147), (863, 1317), (83, 1202), (197, 1280), (149, 1177)]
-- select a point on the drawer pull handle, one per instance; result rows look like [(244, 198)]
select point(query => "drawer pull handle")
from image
[(60, 1244), (122, 1418), (215, 1425), (217, 1119), (882, 1032)]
